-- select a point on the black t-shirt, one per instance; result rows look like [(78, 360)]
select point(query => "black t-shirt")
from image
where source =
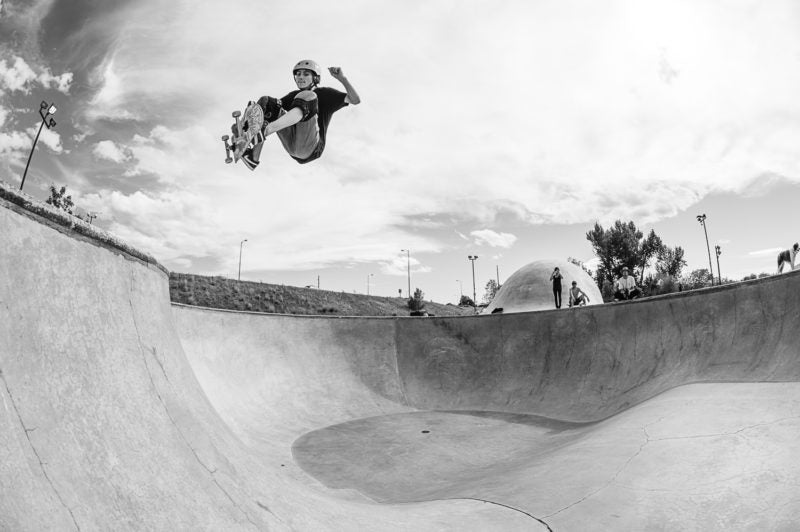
[(329, 101)]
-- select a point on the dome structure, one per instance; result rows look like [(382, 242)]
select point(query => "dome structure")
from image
[(530, 288)]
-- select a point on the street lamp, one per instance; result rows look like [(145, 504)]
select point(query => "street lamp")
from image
[(472, 259), (702, 219), (368, 276), (51, 110), (408, 258), (719, 252), (240, 258)]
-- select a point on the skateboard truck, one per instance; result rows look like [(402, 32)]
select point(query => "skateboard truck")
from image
[(228, 148)]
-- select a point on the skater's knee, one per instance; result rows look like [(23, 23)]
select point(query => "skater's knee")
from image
[(307, 102), (271, 107)]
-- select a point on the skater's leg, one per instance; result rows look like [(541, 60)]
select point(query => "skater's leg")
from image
[(301, 139), (286, 120), (298, 128), (303, 108), (272, 108)]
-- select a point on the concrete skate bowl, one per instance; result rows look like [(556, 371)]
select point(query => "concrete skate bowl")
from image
[(122, 411)]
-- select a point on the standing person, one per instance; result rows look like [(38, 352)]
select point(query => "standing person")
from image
[(556, 278), (788, 255), (301, 118), (577, 297), (625, 287)]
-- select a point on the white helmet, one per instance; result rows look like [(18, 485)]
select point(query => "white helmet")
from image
[(308, 64)]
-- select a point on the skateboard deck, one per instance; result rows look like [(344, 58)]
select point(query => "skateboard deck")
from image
[(246, 125)]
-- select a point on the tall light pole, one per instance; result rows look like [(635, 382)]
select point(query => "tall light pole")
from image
[(719, 252), (240, 258), (408, 258), (51, 110), (368, 276), (702, 219), (472, 259), (460, 290)]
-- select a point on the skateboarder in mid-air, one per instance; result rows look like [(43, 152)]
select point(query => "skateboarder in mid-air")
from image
[(301, 118)]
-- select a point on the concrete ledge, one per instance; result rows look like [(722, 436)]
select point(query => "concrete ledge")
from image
[(21, 203)]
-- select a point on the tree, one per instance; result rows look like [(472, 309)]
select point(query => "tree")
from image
[(60, 200), (466, 301), (648, 249), (416, 302), (669, 261), (491, 290), (696, 279), (755, 276), (622, 245)]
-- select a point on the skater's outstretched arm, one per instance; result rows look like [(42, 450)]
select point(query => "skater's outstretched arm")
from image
[(352, 96)]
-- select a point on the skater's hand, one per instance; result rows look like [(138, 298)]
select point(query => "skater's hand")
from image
[(337, 73)]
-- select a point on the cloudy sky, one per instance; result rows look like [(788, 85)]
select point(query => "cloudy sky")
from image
[(502, 129)]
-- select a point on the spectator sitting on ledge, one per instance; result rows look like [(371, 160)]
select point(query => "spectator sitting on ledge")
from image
[(625, 287)]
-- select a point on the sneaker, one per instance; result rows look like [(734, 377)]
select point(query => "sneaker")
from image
[(247, 159)]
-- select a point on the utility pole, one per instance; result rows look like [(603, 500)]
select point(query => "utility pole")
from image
[(240, 258), (702, 219), (51, 110), (719, 252), (472, 259), (408, 267)]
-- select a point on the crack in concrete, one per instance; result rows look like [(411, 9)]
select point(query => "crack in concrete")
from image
[(500, 504), (42, 464), (734, 433), (613, 478), (265, 507), (649, 440), (174, 424)]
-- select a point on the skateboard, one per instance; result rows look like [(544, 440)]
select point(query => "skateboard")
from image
[(244, 131)]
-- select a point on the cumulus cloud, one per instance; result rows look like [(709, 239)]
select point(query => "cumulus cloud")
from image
[(49, 138), (16, 76), (60, 83), (399, 265), (110, 151), (14, 142), (19, 76), (494, 239)]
